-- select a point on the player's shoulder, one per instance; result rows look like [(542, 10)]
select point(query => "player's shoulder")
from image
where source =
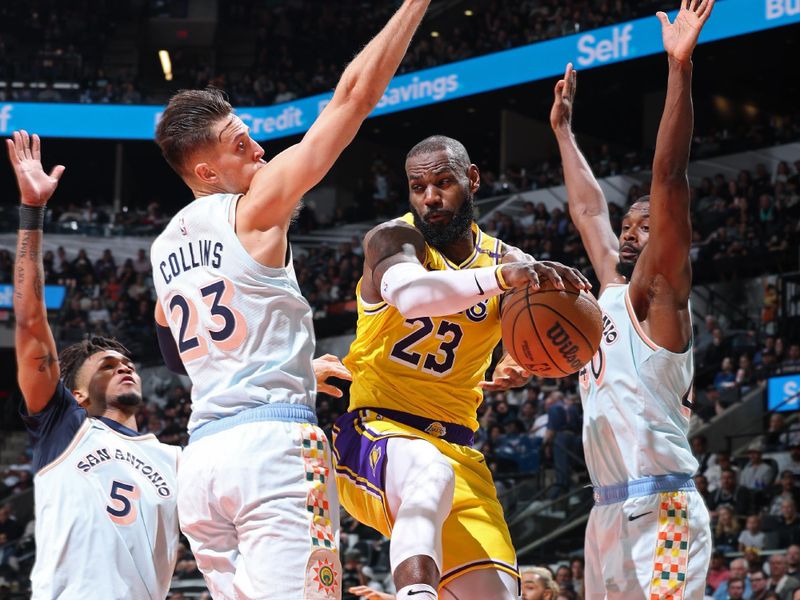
[(389, 236)]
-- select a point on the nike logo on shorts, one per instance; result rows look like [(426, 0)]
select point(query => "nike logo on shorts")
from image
[(414, 593), (634, 517)]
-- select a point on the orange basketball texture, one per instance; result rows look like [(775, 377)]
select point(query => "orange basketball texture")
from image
[(551, 332)]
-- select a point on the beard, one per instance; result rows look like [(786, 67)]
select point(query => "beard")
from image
[(129, 399), (440, 235), (625, 269)]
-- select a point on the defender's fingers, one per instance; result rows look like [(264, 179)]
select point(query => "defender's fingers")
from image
[(26, 144), (36, 147), (12, 152), (57, 172), (558, 90), (574, 277), (705, 10), (329, 389)]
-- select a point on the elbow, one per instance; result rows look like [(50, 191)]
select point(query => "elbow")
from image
[(356, 91), (410, 310), (28, 324), (670, 174)]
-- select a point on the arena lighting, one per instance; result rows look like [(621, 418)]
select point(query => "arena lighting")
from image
[(166, 64), (468, 13), (434, 34)]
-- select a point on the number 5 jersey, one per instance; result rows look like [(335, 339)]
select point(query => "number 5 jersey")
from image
[(105, 507), (244, 331)]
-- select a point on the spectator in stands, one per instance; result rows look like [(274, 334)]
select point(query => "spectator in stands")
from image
[(735, 587), (738, 570), (767, 348), (564, 579), (731, 493), (786, 490), (794, 454), (793, 561), (561, 442), (791, 364), (700, 451), (721, 461), (726, 531), (701, 483), (725, 377), (779, 582), (717, 570), (758, 585), (789, 524), (756, 474), (538, 584), (717, 350), (578, 565), (775, 438), (752, 536)]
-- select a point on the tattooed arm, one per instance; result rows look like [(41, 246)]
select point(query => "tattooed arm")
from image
[(37, 357)]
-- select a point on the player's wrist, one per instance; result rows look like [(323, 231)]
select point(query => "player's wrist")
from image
[(31, 217), (680, 64), (501, 281)]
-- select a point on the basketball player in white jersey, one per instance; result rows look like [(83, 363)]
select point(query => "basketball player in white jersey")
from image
[(648, 534), (257, 500), (105, 496)]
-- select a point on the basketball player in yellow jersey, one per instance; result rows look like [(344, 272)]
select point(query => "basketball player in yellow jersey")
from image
[(428, 322)]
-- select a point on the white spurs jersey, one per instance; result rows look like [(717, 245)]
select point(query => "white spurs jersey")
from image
[(244, 331), (106, 518), (636, 401)]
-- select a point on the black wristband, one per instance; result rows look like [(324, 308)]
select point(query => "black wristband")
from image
[(31, 217)]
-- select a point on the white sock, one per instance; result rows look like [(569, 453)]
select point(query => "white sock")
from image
[(417, 591)]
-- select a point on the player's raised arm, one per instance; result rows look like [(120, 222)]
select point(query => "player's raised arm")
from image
[(37, 357), (667, 252), (278, 187), (587, 204)]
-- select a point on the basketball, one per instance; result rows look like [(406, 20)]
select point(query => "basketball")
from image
[(551, 332)]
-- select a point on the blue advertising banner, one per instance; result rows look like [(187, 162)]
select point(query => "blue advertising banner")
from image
[(53, 296), (596, 48), (783, 393)]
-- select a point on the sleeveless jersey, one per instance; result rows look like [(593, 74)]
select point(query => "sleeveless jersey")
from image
[(244, 331), (107, 518), (427, 366), (636, 401)]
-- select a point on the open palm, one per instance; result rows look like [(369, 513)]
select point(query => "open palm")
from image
[(35, 186), (680, 36)]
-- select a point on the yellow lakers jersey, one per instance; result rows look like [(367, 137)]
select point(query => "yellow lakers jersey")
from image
[(428, 366)]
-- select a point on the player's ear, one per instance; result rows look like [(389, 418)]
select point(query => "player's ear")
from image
[(82, 398), (474, 176), (205, 173)]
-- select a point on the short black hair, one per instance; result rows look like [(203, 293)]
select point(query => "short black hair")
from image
[(72, 357), (437, 143), (187, 122)]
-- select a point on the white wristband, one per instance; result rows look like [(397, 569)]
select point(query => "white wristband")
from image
[(417, 292)]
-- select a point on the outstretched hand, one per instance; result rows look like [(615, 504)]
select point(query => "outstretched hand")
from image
[(680, 36), (508, 375), (327, 366), (25, 154), (564, 92)]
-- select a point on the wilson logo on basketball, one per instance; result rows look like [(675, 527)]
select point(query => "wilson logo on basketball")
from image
[(566, 347)]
